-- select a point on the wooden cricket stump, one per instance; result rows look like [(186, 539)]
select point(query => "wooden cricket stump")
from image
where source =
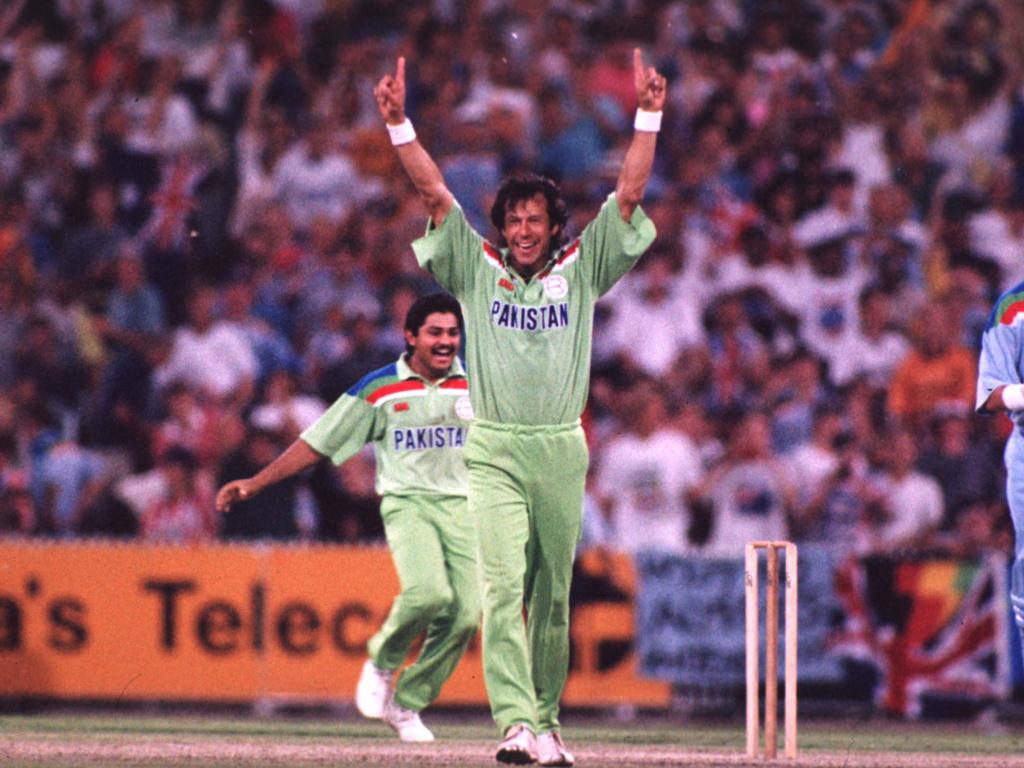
[(771, 648)]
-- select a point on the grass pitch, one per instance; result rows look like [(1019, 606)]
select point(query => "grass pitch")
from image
[(467, 739)]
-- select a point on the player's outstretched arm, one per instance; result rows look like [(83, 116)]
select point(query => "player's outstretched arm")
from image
[(636, 167), (297, 457), (419, 166)]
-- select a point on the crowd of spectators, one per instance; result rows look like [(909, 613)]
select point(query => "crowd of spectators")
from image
[(204, 239)]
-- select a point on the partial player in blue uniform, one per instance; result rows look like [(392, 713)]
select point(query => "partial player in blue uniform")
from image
[(1001, 388)]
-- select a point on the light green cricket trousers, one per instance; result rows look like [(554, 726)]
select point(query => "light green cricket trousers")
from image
[(526, 496), (433, 545)]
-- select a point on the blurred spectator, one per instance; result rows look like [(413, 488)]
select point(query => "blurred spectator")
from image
[(750, 491), (352, 512), (571, 146), (313, 179), (937, 372), (17, 511), (799, 391), (366, 350), (829, 315), (645, 475), (284, 411), (173, 501), (271, 514), (738, 357), (68, 481), (834, 513), (967, 470), (816, 459), (875, 349), (647, 307), (214, 357), (814, 150), (187, 422), (55, 368), (271, 347), (909, 503), (90, 251), (133, 323)]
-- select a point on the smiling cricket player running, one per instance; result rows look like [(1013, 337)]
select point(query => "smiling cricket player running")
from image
[(415, 413)]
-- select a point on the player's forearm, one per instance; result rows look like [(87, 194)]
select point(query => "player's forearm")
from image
[(636, 171), (426, 177), (297, 457)]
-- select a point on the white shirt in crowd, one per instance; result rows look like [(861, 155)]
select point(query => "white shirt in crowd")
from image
[(217, 361), (647, 479), (311, 188), (749, 505), (666, 327), (914, 505)]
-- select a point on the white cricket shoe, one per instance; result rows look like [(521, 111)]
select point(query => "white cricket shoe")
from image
[(551, 750), (406, 722), (519, 746), (373, 690)]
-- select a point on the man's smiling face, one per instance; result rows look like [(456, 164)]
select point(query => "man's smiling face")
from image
[(435, 345), (528, 232)]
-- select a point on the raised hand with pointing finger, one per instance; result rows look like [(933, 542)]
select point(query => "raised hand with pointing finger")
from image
[(650, 86), (390, 95)]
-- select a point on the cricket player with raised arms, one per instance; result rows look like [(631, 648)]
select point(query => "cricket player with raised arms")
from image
[(415, 412), (528, 303)]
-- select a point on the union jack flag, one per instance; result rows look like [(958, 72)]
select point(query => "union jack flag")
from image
[(933, 629)]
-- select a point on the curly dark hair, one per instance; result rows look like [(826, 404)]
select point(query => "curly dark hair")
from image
[(516, 189)]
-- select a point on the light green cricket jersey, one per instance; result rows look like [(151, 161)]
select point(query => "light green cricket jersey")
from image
[(417, 429), (528, 342)]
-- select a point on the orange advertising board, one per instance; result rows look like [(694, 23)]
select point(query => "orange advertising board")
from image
[(237, 623)]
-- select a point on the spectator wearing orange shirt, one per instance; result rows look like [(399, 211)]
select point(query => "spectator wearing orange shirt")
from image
[(937, 372)]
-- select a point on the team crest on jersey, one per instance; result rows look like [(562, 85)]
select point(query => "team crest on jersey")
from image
[(555, 286), (464, 408), (506, 284)]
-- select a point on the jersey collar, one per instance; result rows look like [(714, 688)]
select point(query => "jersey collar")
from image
[(405, 372), (546, 270)]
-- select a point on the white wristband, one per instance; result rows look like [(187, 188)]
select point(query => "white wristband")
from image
[(1013, 397), (647, 121), (403, 133)]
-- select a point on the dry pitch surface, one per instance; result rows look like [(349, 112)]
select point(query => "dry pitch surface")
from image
[(466, 740)]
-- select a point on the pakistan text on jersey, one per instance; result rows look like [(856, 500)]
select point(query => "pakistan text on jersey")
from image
[(521, 318), (425, 438)]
